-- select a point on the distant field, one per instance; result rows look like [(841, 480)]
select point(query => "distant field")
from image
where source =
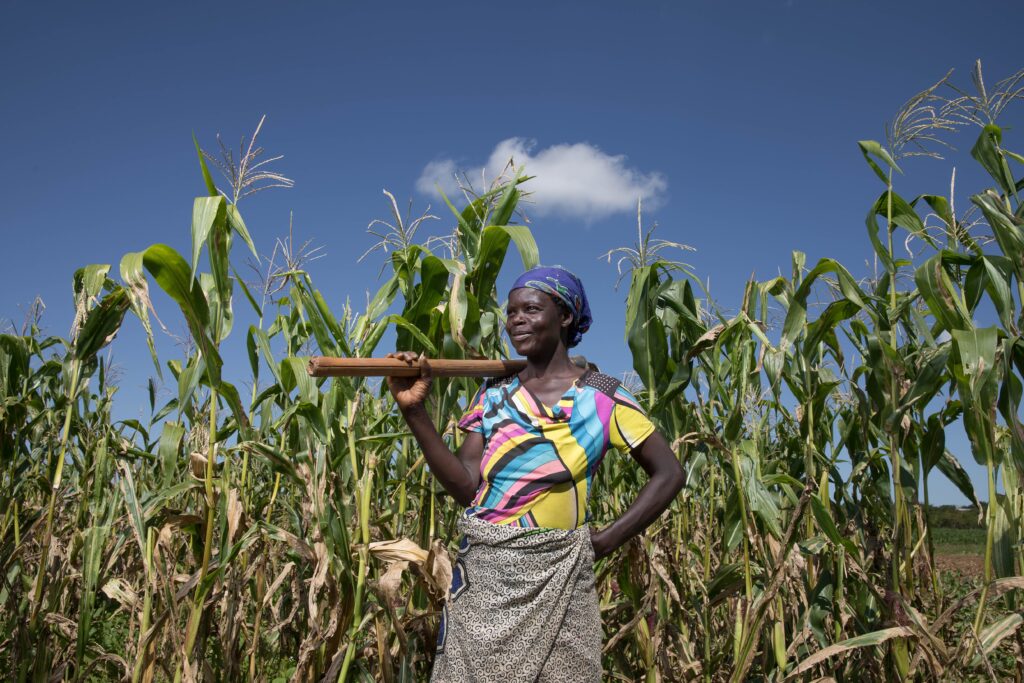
[(959, 541)]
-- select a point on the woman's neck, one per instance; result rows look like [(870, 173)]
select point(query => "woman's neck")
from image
[(557, 364)]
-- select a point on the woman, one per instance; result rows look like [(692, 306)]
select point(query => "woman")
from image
[(522, 605)]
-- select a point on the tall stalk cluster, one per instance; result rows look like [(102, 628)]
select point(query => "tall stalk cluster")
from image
[(294, 533)]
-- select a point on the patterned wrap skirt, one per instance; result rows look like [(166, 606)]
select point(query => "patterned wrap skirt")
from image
[(522, 607)]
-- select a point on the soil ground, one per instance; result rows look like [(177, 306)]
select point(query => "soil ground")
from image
[(970, 564)]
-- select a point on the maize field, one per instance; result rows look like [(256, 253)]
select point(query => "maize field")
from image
[(278, 527)]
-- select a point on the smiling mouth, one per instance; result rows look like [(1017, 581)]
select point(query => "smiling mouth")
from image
[(519, 336)]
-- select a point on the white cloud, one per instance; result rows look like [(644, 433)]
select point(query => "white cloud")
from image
[(575, 180)]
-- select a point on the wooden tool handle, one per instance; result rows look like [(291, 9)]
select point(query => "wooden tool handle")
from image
[(324, 366)]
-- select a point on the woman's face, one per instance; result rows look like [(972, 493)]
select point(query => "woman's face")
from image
[(534, 322)]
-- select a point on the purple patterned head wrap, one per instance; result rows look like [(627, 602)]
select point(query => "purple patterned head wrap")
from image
[(566, 288)]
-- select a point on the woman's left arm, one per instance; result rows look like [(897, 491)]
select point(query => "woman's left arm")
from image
[(666, 479)]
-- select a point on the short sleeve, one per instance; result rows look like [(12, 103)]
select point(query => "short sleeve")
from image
[(630, 425), (472, 420)]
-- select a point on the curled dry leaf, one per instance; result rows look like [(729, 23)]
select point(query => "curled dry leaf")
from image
[(439, 567), (176, 521), (657, 561), (398, 550), (119, 590), (234, 514), (434, 565), (294, 542), (319, 579), (198, 463), (277, 582), (391, 580), (705, 341), (66, 627)]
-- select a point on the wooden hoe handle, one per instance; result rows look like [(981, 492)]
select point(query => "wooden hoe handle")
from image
[(325, 366)]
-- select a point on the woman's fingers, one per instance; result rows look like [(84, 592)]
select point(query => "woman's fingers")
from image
[(409, 391), (409, 357)]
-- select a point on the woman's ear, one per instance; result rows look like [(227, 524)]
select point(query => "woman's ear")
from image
[(567, 317)]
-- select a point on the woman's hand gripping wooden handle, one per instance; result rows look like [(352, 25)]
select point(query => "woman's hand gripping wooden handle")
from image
[(411, 392)]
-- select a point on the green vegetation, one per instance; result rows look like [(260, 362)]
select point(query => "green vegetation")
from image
[(292, 531), (959, 541), (953, 517)]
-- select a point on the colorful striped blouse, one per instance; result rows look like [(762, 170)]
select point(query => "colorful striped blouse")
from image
[(539, 461)]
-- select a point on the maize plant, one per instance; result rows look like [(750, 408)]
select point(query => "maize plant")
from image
[(294, 533)]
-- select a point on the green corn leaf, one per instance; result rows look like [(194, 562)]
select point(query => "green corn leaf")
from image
[(207, 179), (1004, 532), (931, 376), (89, 281), (229, 394), (872, 150), (324, 338), (208, 214), (219, 302), (413, 331), (168, 451), (131, 503), (236, 223), (102, 323), (938, 291), (796, 316), (328, 318), (828, 526), (15, 367), (834, 313), (955, 472), (940, 206), (312, 416), (155, 502), (95, 539), (506, 205), (976, 349), (263, 344), (372, 338), (988, 152), (278, 460), (188, 379), (494, 242), (999, 270), (646, 333), (728, 579), (294, 375), (138, 293), (173, 275), (429, 292), (522, 236), (881, 250), (903, 215), (253, 353), (867, 640), (995, 633), (933, 445), (469, 224), (248, 295), (458, 311), (760, 500), (1006, 228), (383, 298)]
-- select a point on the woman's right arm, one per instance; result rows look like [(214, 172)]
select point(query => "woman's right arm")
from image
[(459, 474)]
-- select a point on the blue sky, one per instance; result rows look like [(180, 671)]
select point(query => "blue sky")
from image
[(737, 121)]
